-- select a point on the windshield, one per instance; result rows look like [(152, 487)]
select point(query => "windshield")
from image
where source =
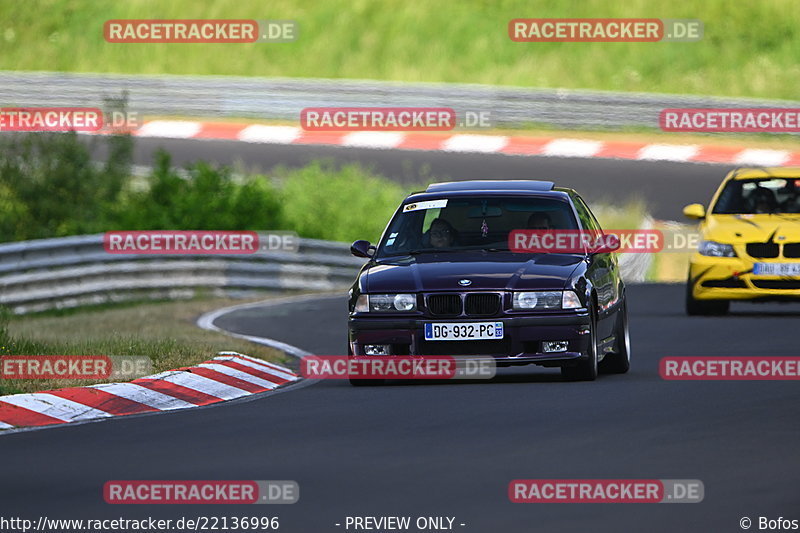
[(471, 223), (759, 196)]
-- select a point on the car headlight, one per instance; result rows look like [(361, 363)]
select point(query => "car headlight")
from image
[(386, 303), (716, 249), (546, 300)]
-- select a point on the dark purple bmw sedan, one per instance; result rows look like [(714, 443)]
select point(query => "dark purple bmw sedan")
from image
[(444, 280)]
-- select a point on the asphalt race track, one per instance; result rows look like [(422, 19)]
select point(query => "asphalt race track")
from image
[(450, 449), (665, 186)]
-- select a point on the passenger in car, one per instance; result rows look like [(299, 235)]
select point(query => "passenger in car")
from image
[(539, 221)]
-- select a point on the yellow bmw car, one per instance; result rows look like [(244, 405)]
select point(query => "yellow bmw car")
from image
[(749, 241)]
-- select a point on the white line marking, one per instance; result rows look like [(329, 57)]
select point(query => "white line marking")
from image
[(475, 143), (667, 152), (174, 129), (572, 148), (206, 321), (767, 158), (269, 134), (373, 139)]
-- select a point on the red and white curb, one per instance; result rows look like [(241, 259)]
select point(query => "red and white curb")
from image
[(470, 143), (228, 376)]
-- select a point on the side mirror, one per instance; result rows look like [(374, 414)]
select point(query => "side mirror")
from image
[(361, 249), (694, 211)]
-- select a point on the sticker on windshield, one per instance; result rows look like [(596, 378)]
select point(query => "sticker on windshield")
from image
[(430, 204)]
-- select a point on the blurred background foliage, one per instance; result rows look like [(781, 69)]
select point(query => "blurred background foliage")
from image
[(50, 187)]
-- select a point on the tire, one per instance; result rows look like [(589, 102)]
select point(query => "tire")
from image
[(585, 370), (695, 307), (366, 382), (619, 361)]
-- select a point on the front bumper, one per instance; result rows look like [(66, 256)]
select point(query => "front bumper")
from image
[(731, 278), (521, 343)]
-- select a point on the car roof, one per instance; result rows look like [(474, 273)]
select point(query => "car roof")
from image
[(765, 172), (491, 185), (491, 188)]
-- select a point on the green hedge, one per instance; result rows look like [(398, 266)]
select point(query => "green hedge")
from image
[(49, 187)]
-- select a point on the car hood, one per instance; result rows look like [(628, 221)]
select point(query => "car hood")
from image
[(492, 270), (737, 229)]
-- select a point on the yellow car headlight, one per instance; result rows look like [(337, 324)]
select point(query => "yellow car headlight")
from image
[(716, 249)]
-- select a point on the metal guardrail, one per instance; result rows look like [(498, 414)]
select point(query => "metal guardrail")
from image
[(69, 272), (73, 271), (284, 98)]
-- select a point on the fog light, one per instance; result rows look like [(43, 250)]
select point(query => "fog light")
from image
[(554, 346), (376, 349)]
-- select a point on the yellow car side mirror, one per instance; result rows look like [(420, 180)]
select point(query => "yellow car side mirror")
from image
[(694, 211)]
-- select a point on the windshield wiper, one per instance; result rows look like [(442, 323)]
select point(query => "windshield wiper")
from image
[(420, 251), (435, 251)]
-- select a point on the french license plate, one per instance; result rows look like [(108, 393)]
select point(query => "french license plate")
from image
[(459, 331), (776, 269)]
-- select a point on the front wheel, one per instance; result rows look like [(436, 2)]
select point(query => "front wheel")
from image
[(619, 362), (695, 307), (585, 370)]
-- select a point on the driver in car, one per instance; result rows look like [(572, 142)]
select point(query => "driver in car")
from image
[(441, 234), (763, 200)]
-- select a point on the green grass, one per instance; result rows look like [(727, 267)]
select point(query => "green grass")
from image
[(615, 217), (749, 48)]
